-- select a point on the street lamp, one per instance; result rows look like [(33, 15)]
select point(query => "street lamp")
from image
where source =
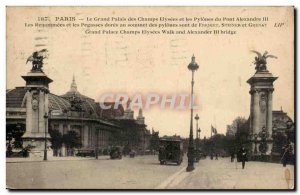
[(197, 118), (197, 141), (193, 66), (198, 138), (46, 127)]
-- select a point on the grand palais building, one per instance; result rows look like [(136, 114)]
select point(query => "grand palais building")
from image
[(72, 111)]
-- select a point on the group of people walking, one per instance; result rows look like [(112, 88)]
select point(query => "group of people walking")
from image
[(212, 156), (242, 155)]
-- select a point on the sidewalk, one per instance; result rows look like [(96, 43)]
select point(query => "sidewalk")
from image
[(222, 174), (53, 158)]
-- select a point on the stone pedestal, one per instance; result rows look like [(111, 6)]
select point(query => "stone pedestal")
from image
[(36, 99), (261, 107)]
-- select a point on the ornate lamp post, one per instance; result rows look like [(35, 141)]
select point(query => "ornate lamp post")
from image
[(197, 118), (193, 66), (46, 128), (197, 141)]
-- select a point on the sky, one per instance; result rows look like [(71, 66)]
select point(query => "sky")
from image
[(142, 64)]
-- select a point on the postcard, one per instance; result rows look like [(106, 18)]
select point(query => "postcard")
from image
[(151, 98)]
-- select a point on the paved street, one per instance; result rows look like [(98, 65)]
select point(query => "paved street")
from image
[(143, 172)]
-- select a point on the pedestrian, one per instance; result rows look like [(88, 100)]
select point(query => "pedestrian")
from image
[(216, 156), (287, 151), (232, 156), (9, 151), (25, 152), (211, 156), (235, 157), (243, 156)]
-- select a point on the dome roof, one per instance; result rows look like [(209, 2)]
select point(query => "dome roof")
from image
[(63, 103), (15, 98), (58, 103), (88, 104)]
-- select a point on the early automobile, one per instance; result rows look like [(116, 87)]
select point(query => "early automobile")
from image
[(170, 150), (85, 153), (132, 153), (115, 153)]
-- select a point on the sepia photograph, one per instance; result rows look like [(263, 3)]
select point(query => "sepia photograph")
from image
[(150, 98)]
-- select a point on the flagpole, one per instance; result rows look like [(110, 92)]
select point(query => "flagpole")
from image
[(215, 124)]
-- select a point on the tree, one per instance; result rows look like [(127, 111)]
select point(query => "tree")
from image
[(205, 145), (230, 144), (236, 124), (14, 132), (280, 140), (71, 140), (56, 141), (237, 134), (241, 126), (218, 143)]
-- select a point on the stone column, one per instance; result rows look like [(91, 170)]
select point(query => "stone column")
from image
[(261, 114), (28, 112), (256, 111), (81, 131), (61, 128), (93, 135), (251, 113), (41, 111), (269, 112), (65, 129), (269, 121), (86, 136), (89, 136), (37, 84), (46, 102)]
